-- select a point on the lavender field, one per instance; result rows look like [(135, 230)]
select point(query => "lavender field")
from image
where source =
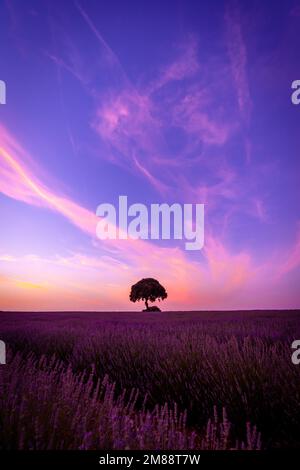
[(185, 380)]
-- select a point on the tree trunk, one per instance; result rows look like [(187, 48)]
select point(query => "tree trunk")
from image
[(146, 303)]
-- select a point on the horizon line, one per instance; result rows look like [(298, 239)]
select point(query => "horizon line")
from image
[(162, 311)]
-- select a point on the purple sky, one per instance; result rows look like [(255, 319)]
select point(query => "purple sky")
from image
[(174, 101)]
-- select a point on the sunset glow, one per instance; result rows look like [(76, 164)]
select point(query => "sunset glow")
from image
[(186, 116)]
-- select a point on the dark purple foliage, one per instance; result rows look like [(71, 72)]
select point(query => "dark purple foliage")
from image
[(119, 380)]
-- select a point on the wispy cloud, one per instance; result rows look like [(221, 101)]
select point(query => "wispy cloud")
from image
[(109, 55), (18, 182), (185, 66), (237, 52), (218, 267), (291, 259), (135, 122), (182, 126)]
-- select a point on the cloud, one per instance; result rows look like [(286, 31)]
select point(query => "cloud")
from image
[(185, 66), (291, 259), (259, 209), (176, 130), (191, 115), (132, 259), (237, 53), (18, 182), (109, 55), (135, 123)]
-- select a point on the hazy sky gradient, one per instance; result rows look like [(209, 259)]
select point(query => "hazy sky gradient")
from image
[(174, 101)]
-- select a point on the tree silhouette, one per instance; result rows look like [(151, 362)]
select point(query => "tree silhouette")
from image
[(148, 289)]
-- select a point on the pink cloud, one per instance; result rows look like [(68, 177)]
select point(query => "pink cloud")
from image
[(216, 278), (125, 119), (133, 122), (186, 65), (291, 259), (127, 123), (191, 115), (234, 270), (17, 181)]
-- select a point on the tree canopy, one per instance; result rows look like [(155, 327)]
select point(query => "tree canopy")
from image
[(147, 289)]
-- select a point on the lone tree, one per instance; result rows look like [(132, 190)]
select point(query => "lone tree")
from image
[(148, 289)]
